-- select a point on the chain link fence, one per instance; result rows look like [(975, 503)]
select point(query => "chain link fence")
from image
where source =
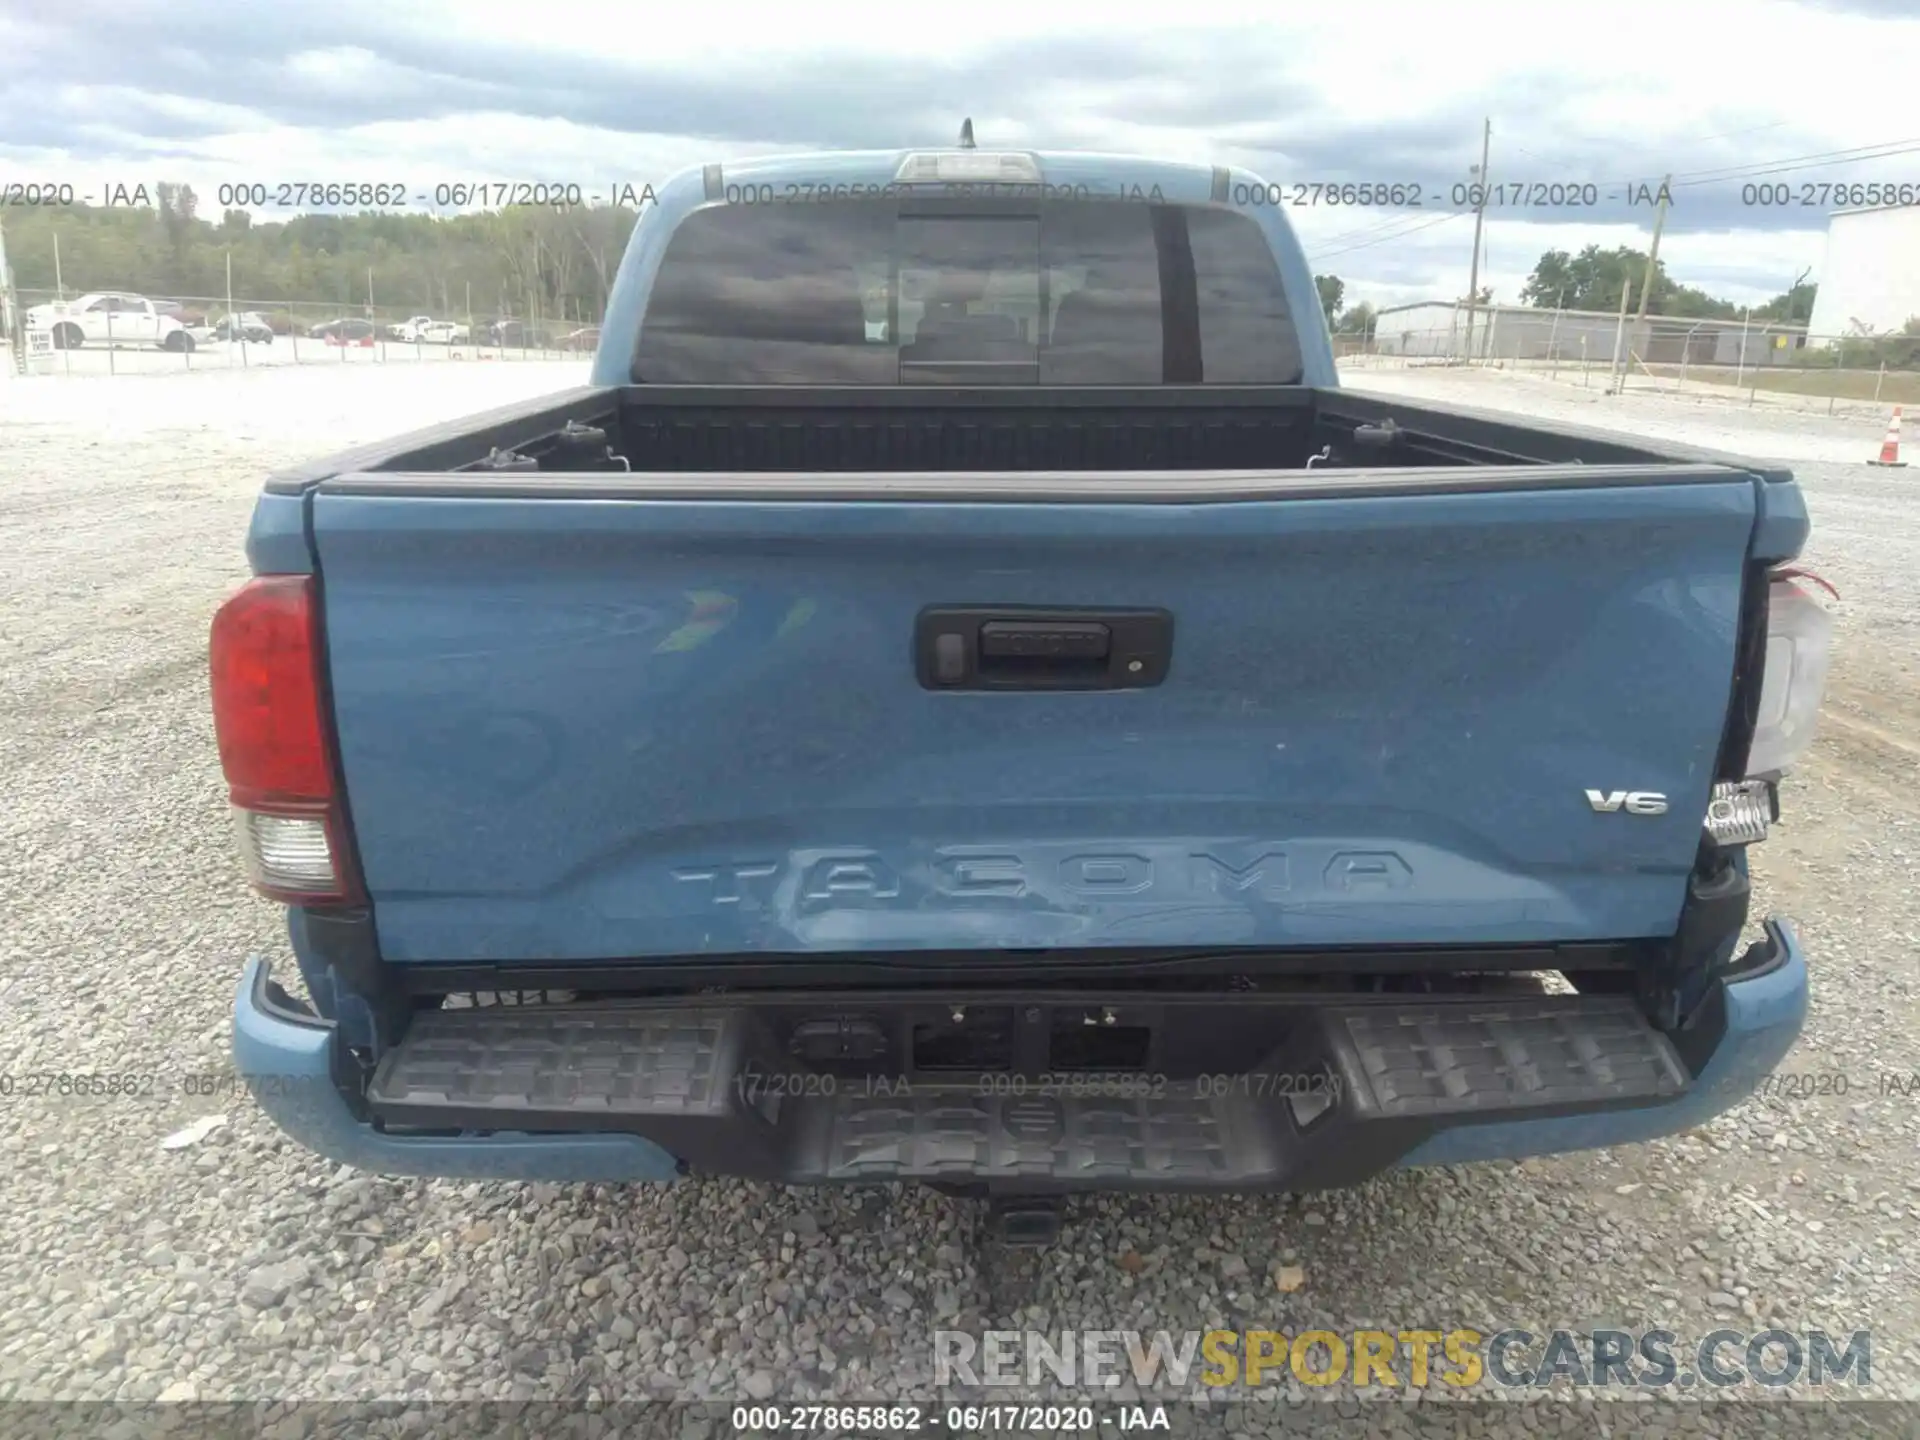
[(1749, 363), (107, 332)]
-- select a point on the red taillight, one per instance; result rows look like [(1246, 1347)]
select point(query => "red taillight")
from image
[(275, 746), (266, 693)]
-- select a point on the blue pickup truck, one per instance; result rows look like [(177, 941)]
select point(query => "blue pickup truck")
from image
[(964, 696)]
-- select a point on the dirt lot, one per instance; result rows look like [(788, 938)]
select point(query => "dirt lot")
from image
[(240, 1267)]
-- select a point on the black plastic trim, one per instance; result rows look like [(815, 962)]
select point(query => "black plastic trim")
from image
[(970, 397), (456, 442), (341, 945), (1115, 996), (1180, 362), (1179, 487), (271, 1000), (1763, 957), (1029, 648), (1461, 435), (938, 970), (1749, 672), (718, 1085)]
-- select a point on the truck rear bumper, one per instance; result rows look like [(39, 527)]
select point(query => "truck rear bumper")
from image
[(641, 1091)]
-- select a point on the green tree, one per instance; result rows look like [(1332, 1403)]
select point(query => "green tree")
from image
[(1899, 350), (1595, 279), (1792, 305), (1331, 288), (1358, 320), (525, 261)]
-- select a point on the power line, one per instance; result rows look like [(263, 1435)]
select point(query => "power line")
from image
[(1683, 140), (1885, 149), (1391, 229), (1379, 227), (1788, 168), (1881, 150), (1397, 235), (1732, 134), (1862, 152), (1365, 236)]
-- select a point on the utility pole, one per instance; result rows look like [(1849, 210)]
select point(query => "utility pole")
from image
[(1653, 251), (1615, 380), (11, 322), (1479, 219), (1798, 281)]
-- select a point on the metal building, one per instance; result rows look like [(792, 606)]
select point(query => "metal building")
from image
[(1870, 279), (1438, 329)]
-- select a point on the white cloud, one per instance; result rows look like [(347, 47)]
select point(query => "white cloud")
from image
[(593, 91)]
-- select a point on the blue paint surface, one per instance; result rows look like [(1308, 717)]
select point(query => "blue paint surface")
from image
[(277, 536), (578, 729)]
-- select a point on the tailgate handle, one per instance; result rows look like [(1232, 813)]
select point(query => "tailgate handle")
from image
[(1061, 640), (976, 647)]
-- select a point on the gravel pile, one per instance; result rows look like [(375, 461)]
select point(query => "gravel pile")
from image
[(237, 1267)]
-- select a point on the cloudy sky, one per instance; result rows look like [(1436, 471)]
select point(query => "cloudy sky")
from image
[(1718, 93)]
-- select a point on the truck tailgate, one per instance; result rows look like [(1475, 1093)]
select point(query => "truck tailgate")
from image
[(635, 717)]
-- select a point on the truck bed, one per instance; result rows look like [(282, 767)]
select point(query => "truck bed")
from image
[(745, 430)]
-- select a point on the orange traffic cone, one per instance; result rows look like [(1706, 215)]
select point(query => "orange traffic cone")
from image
[(1890, 447)]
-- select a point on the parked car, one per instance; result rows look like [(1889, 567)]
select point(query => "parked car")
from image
[(249, 326), (519, 335), (109, 319), (347, 332), (585, 338), (1193, 802), (410, 330), (444, 332)]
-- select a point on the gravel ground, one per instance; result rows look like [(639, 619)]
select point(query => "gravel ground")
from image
[(241, 1268)]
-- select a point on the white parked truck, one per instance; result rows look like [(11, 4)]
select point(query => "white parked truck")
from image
[(109, 319), (411, 329)]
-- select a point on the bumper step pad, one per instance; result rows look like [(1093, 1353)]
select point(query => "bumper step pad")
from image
[(709, 1085), (1562, 1050)]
